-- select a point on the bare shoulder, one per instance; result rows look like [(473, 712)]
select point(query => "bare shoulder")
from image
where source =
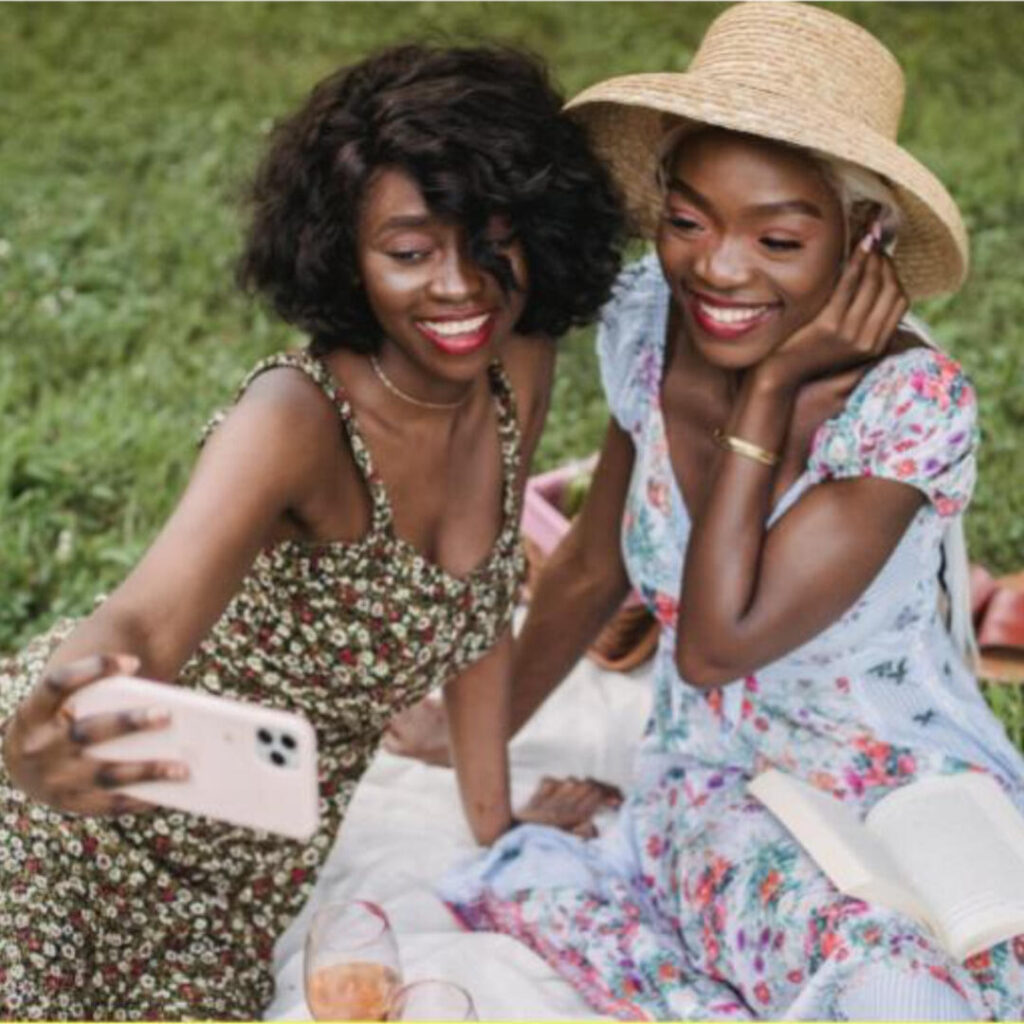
[(285, 416), (529, 361)]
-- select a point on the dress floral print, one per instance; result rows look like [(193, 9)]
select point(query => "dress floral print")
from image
[(697, 904), (174, 916)]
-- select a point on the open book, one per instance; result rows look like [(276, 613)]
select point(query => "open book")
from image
[(948, 851)]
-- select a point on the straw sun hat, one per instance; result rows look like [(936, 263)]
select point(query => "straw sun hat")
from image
[(797, 74)]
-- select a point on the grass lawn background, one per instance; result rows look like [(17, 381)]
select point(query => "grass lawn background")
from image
[(127, 132)]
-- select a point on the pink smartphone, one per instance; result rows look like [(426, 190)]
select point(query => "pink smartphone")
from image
[(248, 765)]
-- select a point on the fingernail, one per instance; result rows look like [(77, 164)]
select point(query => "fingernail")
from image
[(177, 772), (867, 242), (129, 663), (153, 716)]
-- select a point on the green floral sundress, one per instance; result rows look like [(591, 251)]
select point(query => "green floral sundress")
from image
[(174, 916)]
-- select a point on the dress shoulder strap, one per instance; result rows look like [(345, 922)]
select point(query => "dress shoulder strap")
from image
[(510, 441), (304, 361)]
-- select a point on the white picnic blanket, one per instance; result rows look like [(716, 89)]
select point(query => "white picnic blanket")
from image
[(405, 828)]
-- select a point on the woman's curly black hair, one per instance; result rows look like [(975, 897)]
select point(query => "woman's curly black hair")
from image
[(481, 132)]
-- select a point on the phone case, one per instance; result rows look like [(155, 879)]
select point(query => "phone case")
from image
[(248, 765)]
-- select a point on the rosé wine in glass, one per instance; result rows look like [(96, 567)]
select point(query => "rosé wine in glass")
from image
[(354, 991), (352, 970)]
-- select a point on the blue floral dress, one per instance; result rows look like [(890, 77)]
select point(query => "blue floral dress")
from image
[(698, 904)]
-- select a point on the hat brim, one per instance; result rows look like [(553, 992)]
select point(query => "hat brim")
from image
[(627, 118)]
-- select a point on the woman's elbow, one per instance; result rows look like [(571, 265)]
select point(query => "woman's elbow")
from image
[(698, 668)]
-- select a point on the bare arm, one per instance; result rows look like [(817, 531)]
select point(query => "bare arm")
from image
[(582, 584), (261, 462), (481, 702), (752, 594), (477, 706)]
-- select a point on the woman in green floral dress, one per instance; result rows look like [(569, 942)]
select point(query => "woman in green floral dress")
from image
[(348, 540)]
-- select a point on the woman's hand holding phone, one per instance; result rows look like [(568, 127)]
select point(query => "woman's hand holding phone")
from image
[(47, 750), (854, 326)]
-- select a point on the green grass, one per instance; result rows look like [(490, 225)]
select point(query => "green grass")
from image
[(127, 132)]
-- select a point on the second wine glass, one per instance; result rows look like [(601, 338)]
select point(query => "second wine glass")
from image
[(432, 999)]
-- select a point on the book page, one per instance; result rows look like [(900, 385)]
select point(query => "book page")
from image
[(834, 836), (959, 840)]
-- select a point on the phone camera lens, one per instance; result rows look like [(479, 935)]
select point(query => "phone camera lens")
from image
[(277, 757), (288, 742), (265, 736)]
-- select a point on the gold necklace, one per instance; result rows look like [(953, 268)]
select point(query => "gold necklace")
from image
[(405, 397)]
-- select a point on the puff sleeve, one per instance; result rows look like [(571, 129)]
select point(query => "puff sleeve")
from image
[(912, 418), (631, 341)]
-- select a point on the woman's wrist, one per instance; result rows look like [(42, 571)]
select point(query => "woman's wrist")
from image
[(770, 380), (749, 450), (762, 410)]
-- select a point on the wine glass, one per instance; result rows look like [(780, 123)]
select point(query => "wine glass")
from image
[(432, 999), (352, 969)]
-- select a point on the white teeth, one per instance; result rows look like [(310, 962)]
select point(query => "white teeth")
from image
[(732, 314), (450, 328)]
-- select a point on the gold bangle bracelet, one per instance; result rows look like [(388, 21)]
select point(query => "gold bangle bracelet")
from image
[(746, 448)]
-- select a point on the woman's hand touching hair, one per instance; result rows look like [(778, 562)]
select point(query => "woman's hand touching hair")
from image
[(854, 327)]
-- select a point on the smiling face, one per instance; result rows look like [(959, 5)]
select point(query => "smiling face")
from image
[(441, 314), (750, 241)]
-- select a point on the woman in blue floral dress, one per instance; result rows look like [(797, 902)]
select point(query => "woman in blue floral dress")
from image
[(786, 468)]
